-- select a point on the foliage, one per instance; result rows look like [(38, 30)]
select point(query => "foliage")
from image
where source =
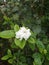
[(33, 14)]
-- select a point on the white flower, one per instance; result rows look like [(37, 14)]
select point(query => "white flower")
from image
[(23, 33), (4, 0), (27, 34)]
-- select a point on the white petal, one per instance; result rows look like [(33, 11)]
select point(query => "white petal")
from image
[(23, 33)]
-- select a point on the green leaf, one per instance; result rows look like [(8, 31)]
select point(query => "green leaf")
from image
[(32, 46), (47, 55), (31, 40), (15, 16), (45, 51), (13, 45), (37, 59), (48, 47), (5, 57), (40, 46), (16, 28), (7, 34), (19, 43), (36, 29), (7, 18), (9, 53), (10, 61), (37, 55)]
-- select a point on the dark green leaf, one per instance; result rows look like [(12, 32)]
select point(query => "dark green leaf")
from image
[(47, 55), (32, 46), (40, 46), (37, 59)]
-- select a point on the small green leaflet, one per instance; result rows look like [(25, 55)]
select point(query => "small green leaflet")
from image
[(16, 28), (10, 61), (31, 40), (9, 53)]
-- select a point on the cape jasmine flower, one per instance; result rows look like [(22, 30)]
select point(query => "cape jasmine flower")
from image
[(23, 33)]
